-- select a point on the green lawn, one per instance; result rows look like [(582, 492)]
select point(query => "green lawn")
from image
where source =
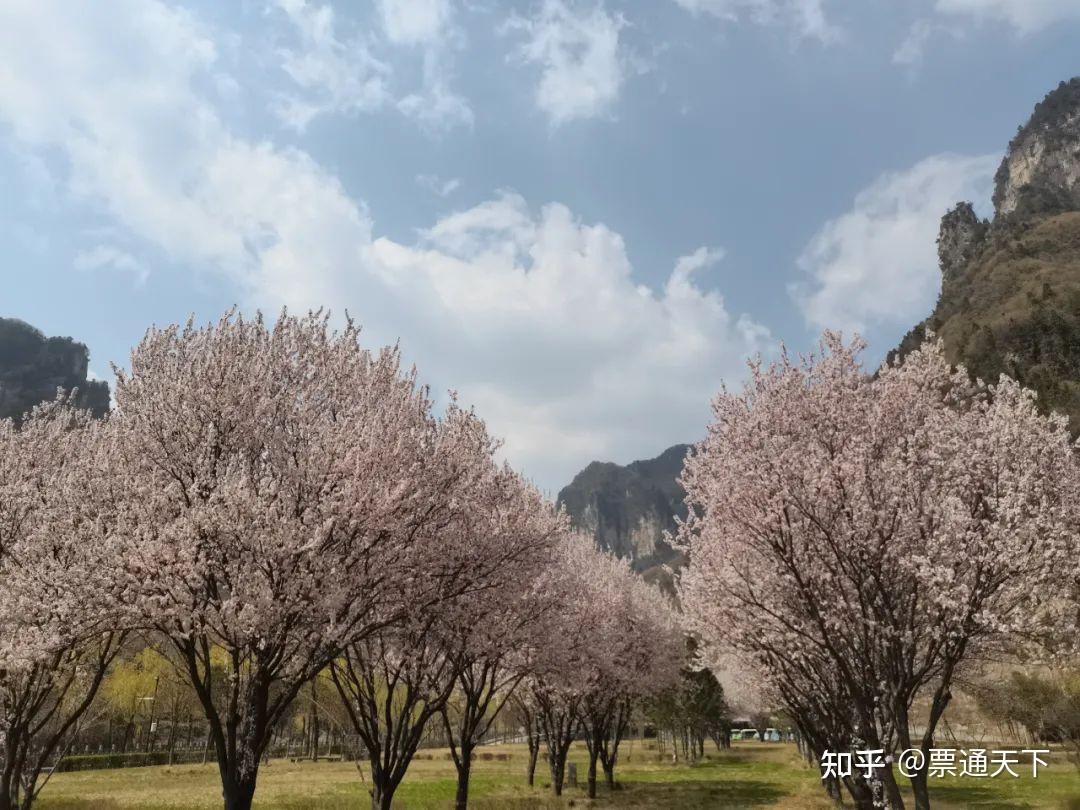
[(751, 775)]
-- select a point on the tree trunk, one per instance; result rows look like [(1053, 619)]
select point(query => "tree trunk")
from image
[(557, 757), (609, 774), (942, 698), (861, 794), (832, 787), (314, 722), (9, 775), (558, 773), (534, 753), (7, 801), (920, 789), (238, 792), (127, 733), (382, 790), (461, 798), (892, 790), (468, 733), (611, 738), (239, 757), (593, 756)]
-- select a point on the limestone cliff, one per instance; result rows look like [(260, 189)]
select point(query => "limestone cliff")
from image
[(1041, 171), (959, 237), (33, 367), (628, 508)]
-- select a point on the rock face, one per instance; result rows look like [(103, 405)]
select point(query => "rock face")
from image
[(1010, 293), (1041, 170), (628, 509), (959, 237), (33, 367)]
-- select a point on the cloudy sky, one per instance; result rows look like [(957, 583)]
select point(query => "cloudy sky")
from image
[(582, 215)]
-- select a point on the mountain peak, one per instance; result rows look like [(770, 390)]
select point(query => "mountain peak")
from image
[(33, 367), (1010, 288), (959, 237), (1040, 173), (628, 508)]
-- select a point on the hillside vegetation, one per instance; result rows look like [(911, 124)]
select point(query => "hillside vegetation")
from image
[(1015, 309)]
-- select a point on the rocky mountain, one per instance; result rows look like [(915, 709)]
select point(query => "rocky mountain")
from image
[(628, 508), (33, 367), (1041, 171), (1010, 291), (1009, 303)]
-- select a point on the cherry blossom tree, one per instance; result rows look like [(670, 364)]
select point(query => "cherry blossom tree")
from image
[(557, 701), (282, 480), (522, 709), (392, 683), (641, 648), (490, 633), (395, 680), (561, 653), (579, 656), (873, 533), (458, 624), (821, 708), (58, 635)]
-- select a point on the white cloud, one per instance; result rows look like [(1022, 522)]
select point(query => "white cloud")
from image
[(911, 50), (1026, 16), (806, 18), (413, 22), (437, 185), (532, 315), (567, 355), (110, 257), (119, 102), (332, 75), (436, 107), (342, 76), (877, 264), (578, 49)]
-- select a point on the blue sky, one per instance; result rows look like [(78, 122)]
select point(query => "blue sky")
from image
[(582, 216)]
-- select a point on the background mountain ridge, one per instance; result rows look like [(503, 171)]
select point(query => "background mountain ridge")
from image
[(1009, 304)]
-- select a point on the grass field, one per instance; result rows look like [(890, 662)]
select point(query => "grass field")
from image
[(751, 775)]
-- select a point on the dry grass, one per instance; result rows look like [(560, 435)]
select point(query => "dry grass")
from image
[(752, 775)]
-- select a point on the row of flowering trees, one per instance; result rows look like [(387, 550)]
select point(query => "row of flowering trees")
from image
[(271, 504), (613, 642), (860, 539)]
